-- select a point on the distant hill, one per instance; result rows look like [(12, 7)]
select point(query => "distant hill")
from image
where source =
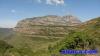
[(5, 32), (91, 23)]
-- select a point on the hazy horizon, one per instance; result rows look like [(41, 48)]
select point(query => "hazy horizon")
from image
[(13, 11)]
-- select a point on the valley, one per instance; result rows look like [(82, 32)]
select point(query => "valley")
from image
[(32, 37)]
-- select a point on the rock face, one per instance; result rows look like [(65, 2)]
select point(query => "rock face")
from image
[(47, 25)]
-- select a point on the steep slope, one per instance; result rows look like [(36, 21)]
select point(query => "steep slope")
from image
[(50, 25)]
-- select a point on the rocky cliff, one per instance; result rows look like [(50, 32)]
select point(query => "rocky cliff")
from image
[(47, 25)]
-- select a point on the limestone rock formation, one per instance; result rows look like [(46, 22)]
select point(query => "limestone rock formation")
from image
[(47, 25)]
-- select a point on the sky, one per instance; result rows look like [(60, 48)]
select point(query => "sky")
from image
[(12, 11)]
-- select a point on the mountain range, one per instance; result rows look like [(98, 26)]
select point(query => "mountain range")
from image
[(47, 35)]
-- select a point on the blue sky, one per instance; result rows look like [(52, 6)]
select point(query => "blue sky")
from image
[(12, 11)]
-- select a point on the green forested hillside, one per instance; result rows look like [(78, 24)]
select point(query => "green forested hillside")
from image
[(86, 37)]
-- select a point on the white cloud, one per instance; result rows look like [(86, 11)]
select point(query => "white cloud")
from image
[(57, 2), (52, 2), (13, 11)]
